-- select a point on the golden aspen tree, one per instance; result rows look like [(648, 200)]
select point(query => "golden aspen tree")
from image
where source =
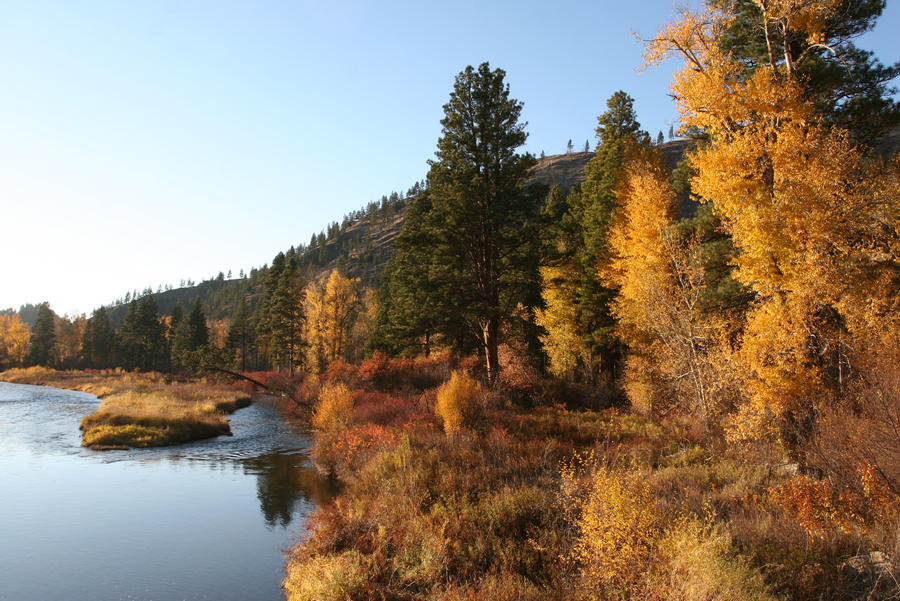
[(14, 337), (330, 306), (659, 279), (813, 217), (218, 332), (69, 334), (564, 341)]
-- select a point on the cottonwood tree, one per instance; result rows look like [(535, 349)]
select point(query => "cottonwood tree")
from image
[(658, 275), (813, 218), (14, 338), (562, 341), (813, 44), (482, 218), (330, 306), (69, 335)]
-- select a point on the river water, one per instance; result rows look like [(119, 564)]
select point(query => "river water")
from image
[(205, 520)]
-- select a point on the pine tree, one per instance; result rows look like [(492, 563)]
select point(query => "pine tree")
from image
[(43, 338), (198, 332), (239, 335), (411, 308), (569, 147), (482, 218), (261, 318), (142, 334), (619, 134), (286, 317), (98, 344)]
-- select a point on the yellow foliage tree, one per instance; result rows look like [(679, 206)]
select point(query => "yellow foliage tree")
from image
[(564, 338), (14, 337), (330, 306), (814, 218), (218, 332), (69, 334), (658, 276)]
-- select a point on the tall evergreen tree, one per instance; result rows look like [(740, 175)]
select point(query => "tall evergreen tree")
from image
[(98, 344), (198, 331), (482, 219), (411, 307), (286, 317), (240, 335), (177, 315), (618, 133), (43, 337), (142, 334), (261, 318)]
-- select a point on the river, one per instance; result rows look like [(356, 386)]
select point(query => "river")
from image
[(205, 520)]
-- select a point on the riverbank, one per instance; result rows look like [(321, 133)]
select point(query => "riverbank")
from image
[(546, 499), (142, 409)]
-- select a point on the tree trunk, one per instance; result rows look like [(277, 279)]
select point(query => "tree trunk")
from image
[(490, 348)]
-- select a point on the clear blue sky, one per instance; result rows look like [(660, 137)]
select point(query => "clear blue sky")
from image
[(149, 141)]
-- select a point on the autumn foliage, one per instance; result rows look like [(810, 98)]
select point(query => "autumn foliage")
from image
[(458, 402)]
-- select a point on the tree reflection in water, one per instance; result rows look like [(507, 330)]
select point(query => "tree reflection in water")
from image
[(283, 480)]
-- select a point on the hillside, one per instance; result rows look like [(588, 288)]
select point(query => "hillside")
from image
[(361, 245)]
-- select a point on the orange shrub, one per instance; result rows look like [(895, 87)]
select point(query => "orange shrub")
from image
[(458, 402), (356, 445), (340, 371), (335, 408)]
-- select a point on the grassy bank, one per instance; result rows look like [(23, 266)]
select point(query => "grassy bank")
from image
[(460, 494), (142, 409)]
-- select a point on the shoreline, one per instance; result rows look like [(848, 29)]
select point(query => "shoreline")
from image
[(139, 410)]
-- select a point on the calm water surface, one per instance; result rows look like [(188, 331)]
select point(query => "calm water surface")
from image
[(206, 520)]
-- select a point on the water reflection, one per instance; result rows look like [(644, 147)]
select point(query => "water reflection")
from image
[(206, 520), (283, 480)]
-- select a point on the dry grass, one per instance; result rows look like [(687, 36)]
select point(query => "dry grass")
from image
[(142, 409), (547, 502)]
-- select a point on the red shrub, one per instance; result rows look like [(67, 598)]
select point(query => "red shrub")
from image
[(381, 408), (339, 371), (355, 445), (378, 371)]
